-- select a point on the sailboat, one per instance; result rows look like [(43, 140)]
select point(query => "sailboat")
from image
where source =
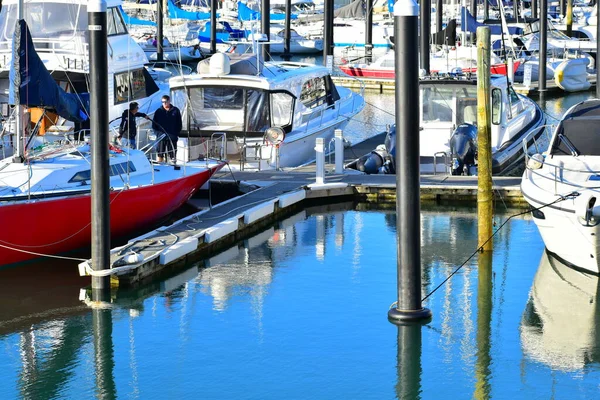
[(45, 202)]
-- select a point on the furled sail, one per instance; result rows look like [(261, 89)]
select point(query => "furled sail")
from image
[(32, 85)]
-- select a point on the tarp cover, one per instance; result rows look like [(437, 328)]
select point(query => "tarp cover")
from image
[(176, 12), (468, 23), (32, 85), (245, 13), (135, 21), (446, 36), (356, 9)]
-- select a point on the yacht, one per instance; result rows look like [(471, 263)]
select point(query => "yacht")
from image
[(262, 115), (561, 185)]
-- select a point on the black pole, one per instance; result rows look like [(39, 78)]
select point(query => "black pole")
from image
[(516, 9), (408, 208), (327, 31), (408, 367), (425, 33), (213, 26), (104, 359), (369, 32), (597, 50), (474, 8), (486, 10), (543, 48), (534, 8), (159, 30), (439, 12), (287, 36), (265, 18), (99, 142), (563, 7)]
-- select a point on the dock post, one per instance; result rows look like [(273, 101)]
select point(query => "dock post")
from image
[(534, 8), (320, 149), (510, 69), (265, 19), (597, 52), (425, 35), (439, 13), (543, 48), (159, 31), (99, 142), (369, 33), (408, 208), (339, 151), (328, 40), (287, 35), (213, 26), (484, 143), (569, 18)]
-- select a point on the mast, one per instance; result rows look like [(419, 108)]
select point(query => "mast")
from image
[(18, 156)]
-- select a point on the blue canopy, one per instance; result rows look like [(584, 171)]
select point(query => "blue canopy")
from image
[(32, 85), (176, 12), (245, 13), (135, 21), (468, 23)]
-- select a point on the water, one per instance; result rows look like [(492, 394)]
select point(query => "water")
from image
[(299, 311)]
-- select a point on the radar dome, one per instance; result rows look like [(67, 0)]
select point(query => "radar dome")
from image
[(219, 64)]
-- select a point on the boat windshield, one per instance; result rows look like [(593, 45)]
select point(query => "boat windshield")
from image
[(451, 104), (46, 20), (578, 133)]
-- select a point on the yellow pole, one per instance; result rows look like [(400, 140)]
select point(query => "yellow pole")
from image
[(569, 17), (484, 146)]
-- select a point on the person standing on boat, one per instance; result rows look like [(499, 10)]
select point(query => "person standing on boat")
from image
[(167, 119), (128, 126)]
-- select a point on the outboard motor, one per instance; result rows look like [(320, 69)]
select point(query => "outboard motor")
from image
[(390, 147), (463, 147), (372, 162)]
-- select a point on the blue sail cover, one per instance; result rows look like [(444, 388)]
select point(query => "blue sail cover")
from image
[(32, 85), (176, 12), (468, 23), (135, 21), (245, 13)]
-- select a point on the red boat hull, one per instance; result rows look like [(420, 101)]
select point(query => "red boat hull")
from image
[(380, 73), (55, 226)]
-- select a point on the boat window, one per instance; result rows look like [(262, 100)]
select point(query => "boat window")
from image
[(46, 20), (581, 135), (514, 99), (313, 92), (115, 169), (129, 86), (496, 106), (437, 104), (282, 109), (179, 99), (114, 14)]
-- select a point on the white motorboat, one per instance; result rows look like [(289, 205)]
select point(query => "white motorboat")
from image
[(262, 115), (562, 186), (58, 29)]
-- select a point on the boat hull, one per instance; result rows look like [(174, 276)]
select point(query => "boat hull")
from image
[(59, 225)]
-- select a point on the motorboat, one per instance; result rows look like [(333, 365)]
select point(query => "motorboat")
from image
[(561, 185), (262, 115), (173, 52), (58, 29), (448, 131), (560, 327)]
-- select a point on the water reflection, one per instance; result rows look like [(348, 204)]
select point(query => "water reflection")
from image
[(559, 327), (484, 325), (409, 369)]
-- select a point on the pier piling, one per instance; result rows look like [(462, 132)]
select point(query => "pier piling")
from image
[(328, 33), (369, 32), (265, 19), (408, 222), (287, 35), (213, 26), (569, 18), (484, 145), (543, 48), (425, 34), (99, 142), (159, 30)]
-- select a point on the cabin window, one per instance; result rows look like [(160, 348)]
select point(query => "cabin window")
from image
[(313, 92), (114, 22), (437, 104), (129, 86), (47, 20), (514, 99), (282, 109), (115, 169), (179, 98), (496, 106)]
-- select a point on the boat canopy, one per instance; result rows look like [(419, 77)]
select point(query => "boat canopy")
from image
[(245, 13), (578, 131), (135, 21), (177, 13), (468, 23), (356, 9)]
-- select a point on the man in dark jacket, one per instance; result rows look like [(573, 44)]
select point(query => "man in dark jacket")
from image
[(167, 119), (128, 126)]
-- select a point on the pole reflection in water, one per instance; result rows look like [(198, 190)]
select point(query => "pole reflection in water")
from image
[(339, 231), (320, 246), (408, 367), (559, 327), (104, 360), (484, 320)]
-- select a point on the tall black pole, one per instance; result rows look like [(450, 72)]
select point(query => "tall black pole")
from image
[(534, 8), (474, 8), (265, 19), (486, 10), (408, 207), (99, 142), (563, 7), (543, 48), (328, 32), (369, 32), (516, 9), (425, 33), (439, 13), (408, 367), (287, 36), (159, 30), (213, 26), (597, 50)]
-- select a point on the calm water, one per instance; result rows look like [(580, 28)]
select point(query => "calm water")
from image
[(300, 311)]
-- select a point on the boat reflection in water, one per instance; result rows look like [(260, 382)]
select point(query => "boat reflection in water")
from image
[(560, 324)]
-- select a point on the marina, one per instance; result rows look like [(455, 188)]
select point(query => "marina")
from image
[(298, 199)]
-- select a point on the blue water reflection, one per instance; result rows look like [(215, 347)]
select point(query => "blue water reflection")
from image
[(300, 311)]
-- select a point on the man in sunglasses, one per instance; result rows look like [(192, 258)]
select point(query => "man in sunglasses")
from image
[(167, 119)]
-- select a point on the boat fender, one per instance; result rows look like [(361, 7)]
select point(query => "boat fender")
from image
[(586, 209), (128, 259), (536, 161)]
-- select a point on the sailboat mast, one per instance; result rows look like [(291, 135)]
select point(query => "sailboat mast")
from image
[(18, 156)]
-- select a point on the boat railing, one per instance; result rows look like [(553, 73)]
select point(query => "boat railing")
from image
[(217, 142), (75, 52), (532, 137)]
